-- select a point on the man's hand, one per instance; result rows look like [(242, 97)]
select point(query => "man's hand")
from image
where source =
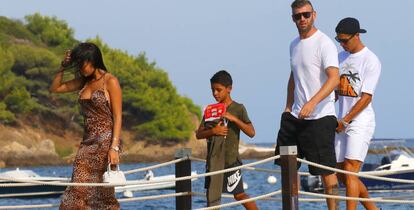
[(307, 110), (220, 129), (340, 127)]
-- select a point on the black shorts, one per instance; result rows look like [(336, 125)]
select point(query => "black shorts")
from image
[(315, 140), (232, 180)]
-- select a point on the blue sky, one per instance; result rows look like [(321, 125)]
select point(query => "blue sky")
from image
[(191, 40)]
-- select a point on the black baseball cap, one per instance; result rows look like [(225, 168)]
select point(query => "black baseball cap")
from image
[(349, 25)]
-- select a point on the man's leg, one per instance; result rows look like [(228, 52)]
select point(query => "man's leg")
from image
[(354, 186), (341, 177), (340, 148), (317, 141), (330, 183), (248, 205), (287, 135)]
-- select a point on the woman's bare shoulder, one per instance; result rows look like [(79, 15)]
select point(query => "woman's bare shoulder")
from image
[(111, 79)]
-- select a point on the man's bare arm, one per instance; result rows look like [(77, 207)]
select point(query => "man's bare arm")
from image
[(360, 105), (326, 89), (290, 90)]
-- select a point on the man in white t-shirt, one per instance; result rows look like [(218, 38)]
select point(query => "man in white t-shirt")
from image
[(360, 70), (309, 119)]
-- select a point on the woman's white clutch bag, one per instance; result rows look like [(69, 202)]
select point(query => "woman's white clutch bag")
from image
[(114, 177)]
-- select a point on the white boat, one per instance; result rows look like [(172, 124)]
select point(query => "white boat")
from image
[(16, 189), (386, 158), (26, 190), (149, 176)]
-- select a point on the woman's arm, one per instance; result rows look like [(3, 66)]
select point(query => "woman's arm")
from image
[(58, 86), (115, 94)]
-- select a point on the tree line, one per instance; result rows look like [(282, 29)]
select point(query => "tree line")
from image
[(30, 54)]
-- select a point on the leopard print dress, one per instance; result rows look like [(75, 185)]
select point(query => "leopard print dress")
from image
[(92, 157)]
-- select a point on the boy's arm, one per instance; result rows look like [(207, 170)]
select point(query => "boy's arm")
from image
[(247, 128), (218, 130)]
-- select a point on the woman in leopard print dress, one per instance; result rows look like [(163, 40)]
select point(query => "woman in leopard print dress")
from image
[(100, 103)]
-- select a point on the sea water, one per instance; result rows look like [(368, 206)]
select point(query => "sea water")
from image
[(256, 181)]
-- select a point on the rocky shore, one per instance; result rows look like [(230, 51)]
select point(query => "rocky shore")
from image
[(28, 146)]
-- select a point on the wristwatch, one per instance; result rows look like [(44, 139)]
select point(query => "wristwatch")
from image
[(116, 149), (344, 123)]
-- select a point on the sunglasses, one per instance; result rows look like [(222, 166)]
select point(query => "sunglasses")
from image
[(298, 16), (344, 41)]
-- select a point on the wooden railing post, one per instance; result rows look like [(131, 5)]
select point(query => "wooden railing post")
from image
[(183, 168), (288, 164)]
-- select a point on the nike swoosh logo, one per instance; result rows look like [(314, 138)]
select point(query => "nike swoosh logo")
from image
[(232, 187)]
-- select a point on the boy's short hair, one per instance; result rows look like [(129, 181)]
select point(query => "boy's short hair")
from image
[(222, 77)]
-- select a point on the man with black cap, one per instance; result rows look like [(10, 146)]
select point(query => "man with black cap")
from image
[(359, 73), (309, 118)]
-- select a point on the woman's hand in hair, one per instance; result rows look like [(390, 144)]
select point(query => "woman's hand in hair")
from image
[(58, 85), (66, 59)]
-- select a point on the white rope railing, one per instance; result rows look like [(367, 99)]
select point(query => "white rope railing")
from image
[(61, 183), (17, 184), (266, 199), (379, 200), (49, 193), (242, 201), (150, 197), (197, 159), (140, 182), (231, 196), (246, 166), (122, 200), (261, 197), (30, 183), (154, 197), (35, 206), (255, 169), (156, 166), (357, 174), (216, 172), (274, 171), (375, 173)]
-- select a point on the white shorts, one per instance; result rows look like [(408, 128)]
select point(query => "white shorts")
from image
[(353, 143)]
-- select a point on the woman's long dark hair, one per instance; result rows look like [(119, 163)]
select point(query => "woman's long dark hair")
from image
[(87, 52)]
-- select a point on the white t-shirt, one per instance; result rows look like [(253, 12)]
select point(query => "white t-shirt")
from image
[(309, 59), (359, 73)]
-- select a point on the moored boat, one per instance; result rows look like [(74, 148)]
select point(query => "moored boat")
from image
[(11, 189), (142, 185), (16, 189), (389, 158)]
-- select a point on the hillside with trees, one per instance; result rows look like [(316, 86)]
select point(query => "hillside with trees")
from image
[(30, 53)]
